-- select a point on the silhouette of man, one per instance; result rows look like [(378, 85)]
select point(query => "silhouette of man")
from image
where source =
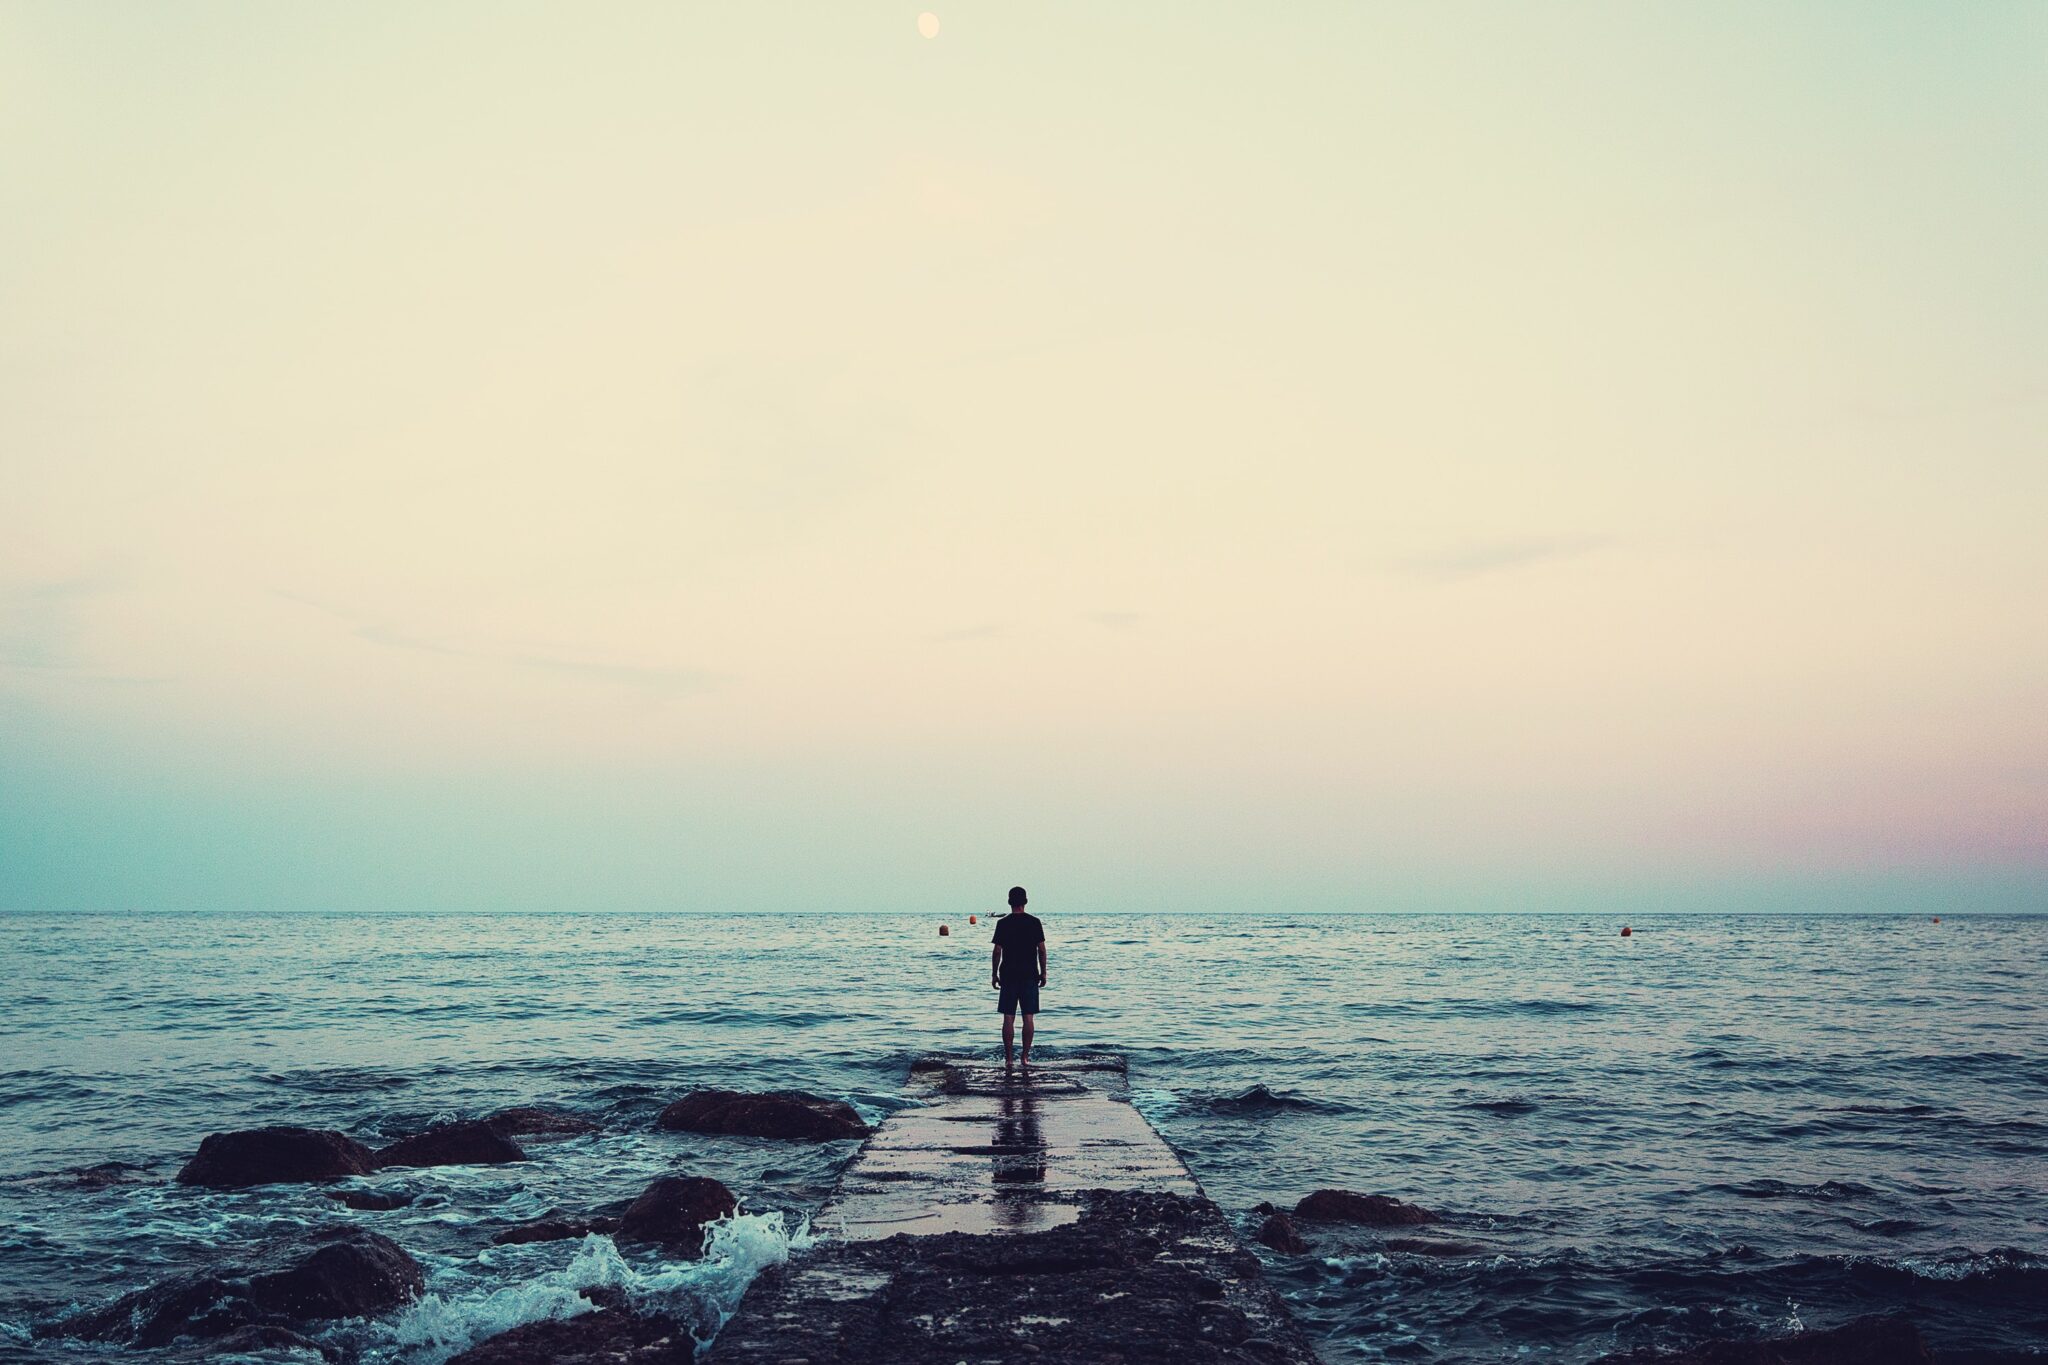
[(1016, 969)]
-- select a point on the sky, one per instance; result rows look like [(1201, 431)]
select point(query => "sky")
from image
[(1175, 456)]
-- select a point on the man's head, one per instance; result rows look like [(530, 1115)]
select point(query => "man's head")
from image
[(1018, 899)]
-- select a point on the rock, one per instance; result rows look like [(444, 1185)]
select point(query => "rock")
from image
[(1423, 1246), (1278, 1233), (777, 1114), (269, 1156), (1890, 1339), (607, 1336), (371, 1201), (553, 1230), (342, 1272), (1373, 1210), (256, 1341), (673, 1211), (470, 1143), (1141, 1277), (529, 1121), (105, 1174)]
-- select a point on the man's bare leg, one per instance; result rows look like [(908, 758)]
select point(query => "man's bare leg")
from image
[(1027, 1037), (1009, 1024)]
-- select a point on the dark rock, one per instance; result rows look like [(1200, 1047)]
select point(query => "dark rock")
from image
[(1278, 1233), (673, 1211), (529, 1121), (1423, 1246), (471, 1143), (776, 1114), (370, 1201), (607, 1336), (1373, 1210), (268, 1156), (1154, 1277), (343, 1272), (247, 1341), (105, 1174), (553, 1230), (1877, 1340)]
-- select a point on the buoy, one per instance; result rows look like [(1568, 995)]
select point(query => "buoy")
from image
[(1937, 919), (972, 920), (943, 931), (1626, 931)]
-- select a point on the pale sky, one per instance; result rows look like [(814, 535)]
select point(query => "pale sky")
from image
[(1177, 456)]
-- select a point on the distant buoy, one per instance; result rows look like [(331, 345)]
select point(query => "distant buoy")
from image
[(944, 931), (1937, 919), (1626, 931), (972, 920)]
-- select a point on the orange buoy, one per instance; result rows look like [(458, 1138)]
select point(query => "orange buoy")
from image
[(972, 920), (943, 931), (1626, 931), (1937, 919)]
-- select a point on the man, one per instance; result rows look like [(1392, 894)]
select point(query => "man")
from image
[(1016, 969)]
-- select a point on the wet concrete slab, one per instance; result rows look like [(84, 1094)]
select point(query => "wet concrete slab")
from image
[(993, 1151), (1016, 1215)]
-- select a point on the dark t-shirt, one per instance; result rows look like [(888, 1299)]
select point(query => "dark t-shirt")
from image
[(1019, 935)]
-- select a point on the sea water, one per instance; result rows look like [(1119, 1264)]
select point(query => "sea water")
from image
[(1719, 1124)]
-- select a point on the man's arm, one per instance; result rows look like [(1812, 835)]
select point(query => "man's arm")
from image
[(1041, 962), (995, 967)]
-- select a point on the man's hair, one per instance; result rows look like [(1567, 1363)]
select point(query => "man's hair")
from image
[(1017, 897)]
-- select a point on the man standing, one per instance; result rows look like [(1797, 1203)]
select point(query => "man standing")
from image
[(1016, 969)]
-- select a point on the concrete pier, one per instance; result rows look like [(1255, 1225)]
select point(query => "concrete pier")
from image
[(1016, 1216)]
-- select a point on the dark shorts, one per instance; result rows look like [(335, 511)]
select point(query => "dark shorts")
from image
[(1015, 997)]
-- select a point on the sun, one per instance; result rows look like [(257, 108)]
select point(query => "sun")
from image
[(928, 24)]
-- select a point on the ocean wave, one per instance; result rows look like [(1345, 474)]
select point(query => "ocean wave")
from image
[(707, 1291), (2008, 1266), (1477, 1008), (1826, 1190), (1257, 1100), (341, 1081)]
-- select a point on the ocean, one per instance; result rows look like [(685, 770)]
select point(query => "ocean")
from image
[(1720, 1124)]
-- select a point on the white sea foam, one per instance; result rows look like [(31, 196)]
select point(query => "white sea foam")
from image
[(441, 1325)]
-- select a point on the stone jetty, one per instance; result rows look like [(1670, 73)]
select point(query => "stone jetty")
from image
[(1028, 1215)]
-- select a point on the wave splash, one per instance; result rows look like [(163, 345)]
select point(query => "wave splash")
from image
[(705, 1292)]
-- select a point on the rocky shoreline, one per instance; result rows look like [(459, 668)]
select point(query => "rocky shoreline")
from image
[(265, 1299), (1158, 1274)]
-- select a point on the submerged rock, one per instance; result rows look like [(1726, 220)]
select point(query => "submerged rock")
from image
[(342, 1272), (270, 1156), (1278, 1233), (1372, 1210), (553, 1230), (470, 1143), (792, 1114), (673, 1211), (103, 1175), (264, 1342), (532, 1121), (370, 1201), (607, 1336), (1890, 1339), (1426, 1246)]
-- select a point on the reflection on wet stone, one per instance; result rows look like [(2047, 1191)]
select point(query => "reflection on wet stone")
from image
[(1019, 1156)]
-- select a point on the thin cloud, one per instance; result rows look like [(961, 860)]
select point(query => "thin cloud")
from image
[(41, 623), (962, 633), (1116, 620), (652, 678), (1503, 556)]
